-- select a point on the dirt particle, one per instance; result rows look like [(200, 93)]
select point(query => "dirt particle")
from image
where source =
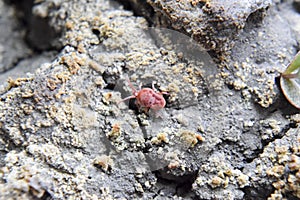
[(69, 25), (243, 180), (161, 137), (103, 161), (81, 48), (173, 164), (73, 62), (276, 171), (216, 182), (95, 66), (279, 184), (17, 82), (139, 188), (107, 98), (191, 138), (295, 118), (115, 131)]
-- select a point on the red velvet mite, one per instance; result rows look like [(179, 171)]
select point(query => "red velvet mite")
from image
[(147, 98)]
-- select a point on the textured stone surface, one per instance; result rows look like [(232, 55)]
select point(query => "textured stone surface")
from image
[(226, 132), (12, 46), (213, 23), (266, 53), (228, 27)]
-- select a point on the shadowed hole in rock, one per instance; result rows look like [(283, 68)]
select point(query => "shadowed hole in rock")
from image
[(139, 8), (182, 184), (96, 31), (230, 86), (256, 17), (109, 86), (46, 196), (39, 35), (296, 5), (110, 80), (254, 193)]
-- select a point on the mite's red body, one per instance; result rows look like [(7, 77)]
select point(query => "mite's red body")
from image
[(147, 98)]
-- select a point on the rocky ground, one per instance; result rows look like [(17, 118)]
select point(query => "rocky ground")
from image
[(226, 132)]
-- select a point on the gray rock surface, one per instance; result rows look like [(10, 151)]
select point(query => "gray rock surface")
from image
[(266, 53), (12, 45), (226, 131), (213, 23)]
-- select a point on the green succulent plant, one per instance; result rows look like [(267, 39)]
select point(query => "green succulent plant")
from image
[(290, 82)]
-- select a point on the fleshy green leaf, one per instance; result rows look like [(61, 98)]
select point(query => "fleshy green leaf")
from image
[(291, 90), (294, 65), (290, 82)]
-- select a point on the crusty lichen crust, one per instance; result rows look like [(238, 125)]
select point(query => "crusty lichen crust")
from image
[(63, 135)]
